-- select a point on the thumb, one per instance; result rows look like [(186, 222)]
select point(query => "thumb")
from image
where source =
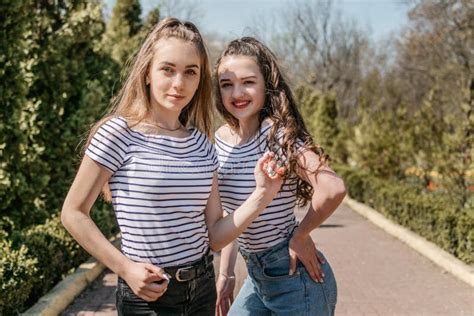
[(157, 271), (293, 261)]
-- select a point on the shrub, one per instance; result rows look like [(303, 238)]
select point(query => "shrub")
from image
[(429, 214)]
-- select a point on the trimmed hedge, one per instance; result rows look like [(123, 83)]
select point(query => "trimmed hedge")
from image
[(431, 215), (35, 259)]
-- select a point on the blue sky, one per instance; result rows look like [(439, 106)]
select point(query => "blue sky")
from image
[(232, 17)]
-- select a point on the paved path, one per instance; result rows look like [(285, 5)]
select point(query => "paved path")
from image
[(376, 273)]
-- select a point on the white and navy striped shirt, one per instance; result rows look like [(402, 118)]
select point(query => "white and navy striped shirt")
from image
[(160, 187), (237, 182)]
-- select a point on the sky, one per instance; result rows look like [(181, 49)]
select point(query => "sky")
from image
[(232, 18)]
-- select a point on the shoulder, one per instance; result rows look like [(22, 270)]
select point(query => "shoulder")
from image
[(224, 133), (267, 122), (113, 123)]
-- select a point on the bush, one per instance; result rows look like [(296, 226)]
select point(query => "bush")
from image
[(429, 214), (17, 270), (40, 256)]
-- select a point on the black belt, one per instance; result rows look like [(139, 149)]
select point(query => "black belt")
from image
[(190, 271)]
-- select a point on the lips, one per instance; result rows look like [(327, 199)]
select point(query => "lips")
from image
[(240, 104), (175, 97)]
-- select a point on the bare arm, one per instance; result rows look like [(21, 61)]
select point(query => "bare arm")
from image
[(75, 216), (224, 230), (226, 280), (329, 191)]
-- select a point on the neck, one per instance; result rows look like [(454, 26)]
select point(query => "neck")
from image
[(166, 119), (247, 128)]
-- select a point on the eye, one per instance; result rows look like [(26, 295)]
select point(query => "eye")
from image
[(167, 69), (191, 72), (249, 82), (226, 85)]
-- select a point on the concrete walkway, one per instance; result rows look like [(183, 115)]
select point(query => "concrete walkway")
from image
[(376, 273)]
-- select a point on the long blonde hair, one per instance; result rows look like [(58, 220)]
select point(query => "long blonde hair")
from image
[(133, 100)]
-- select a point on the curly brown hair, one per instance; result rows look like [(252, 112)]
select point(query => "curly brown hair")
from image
[(279, 106)]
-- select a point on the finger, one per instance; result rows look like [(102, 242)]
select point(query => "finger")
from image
[(314, 271), (281, 171), (270, 169), (155, 270), (320, 258), (226, 307), (318, 269), (157, 287), (263, 160), (147, 296), (293, 261), (156, 274)]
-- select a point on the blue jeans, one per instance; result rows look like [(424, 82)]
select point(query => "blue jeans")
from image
[(194, 297), (269, 290)]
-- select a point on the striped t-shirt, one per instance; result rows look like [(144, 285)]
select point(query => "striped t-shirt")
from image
[(160, 187), (237, 182)]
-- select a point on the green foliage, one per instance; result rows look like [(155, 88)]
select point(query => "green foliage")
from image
[(321, 117), (41, 256), (21, 167), (58, 83), (17, 270), (120, 39), (431, 215), (379, 144), (54, 82)]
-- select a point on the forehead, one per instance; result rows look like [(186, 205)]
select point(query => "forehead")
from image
[(239, 66), (176, 51)]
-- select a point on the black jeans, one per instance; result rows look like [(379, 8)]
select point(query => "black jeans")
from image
[(195, 297)]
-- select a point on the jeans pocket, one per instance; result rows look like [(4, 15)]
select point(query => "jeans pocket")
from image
[(278, 270)]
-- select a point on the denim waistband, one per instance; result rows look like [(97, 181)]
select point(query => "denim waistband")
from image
[(268, 255)]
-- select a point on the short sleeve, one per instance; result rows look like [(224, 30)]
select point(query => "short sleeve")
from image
[(213, 157), (108, 146)]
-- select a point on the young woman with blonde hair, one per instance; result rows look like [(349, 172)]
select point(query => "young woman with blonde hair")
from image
[(286, 274), (151, 156)]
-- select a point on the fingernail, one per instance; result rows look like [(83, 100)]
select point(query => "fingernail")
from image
[(167, 277)]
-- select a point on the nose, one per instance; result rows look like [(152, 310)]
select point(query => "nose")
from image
[(178, 81), (237, 91)]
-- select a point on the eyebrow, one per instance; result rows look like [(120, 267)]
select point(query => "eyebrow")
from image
[(173, 65), (244, 78)]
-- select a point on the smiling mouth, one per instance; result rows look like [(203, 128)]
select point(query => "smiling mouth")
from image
[(240, 104)]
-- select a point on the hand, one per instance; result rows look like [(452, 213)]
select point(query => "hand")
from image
[(268, 176), (303, 249), (142, 278), (225, 294)]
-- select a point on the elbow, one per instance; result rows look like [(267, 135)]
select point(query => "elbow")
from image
[(214, 245), (340, 190), (65, 217)]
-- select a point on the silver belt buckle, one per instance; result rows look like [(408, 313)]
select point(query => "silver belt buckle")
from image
[(177, 277)]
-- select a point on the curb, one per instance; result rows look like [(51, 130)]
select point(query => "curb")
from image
[(64, 293), (440, 257)]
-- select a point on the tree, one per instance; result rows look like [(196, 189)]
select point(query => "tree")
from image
[(321, 49), (125, 23)]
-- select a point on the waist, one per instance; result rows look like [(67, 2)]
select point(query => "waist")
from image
[(190, 271)]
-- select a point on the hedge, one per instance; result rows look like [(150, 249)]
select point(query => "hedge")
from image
[(430, 214), (35, 259)]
